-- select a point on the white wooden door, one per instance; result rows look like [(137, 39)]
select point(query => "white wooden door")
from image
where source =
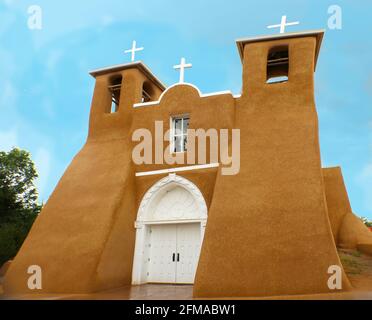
[(174, 253), (163, 246), (188, 250)]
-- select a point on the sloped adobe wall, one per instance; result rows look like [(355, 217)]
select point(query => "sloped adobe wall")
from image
[(268, 231), (348, 230), (69, 236), (83, 239)]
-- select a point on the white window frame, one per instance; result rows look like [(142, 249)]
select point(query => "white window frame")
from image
[(181, 134)]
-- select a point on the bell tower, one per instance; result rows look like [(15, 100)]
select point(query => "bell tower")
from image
[(117, 89), (95, 196), (280, 64), (270, 220)]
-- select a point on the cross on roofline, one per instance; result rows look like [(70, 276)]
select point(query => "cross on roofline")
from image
[(133, 50), (283, 24), (182, 66)]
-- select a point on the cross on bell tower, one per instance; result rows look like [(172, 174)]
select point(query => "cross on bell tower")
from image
[(133, 50), (283, 24)]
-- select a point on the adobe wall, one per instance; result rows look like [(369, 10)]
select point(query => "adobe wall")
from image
[(76, 239), (337, 199), (278, 240), (84, 238), (348, 230), (205, 112)]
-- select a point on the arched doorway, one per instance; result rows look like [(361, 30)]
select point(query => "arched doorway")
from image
[(170, 228)]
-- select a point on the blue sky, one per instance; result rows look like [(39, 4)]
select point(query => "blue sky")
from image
[(46, 90)]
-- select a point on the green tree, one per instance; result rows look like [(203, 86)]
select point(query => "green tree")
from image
[(18, 200), (367, 222)]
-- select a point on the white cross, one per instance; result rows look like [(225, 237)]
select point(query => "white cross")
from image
[(182, 66), (283, 24), (133, 50)]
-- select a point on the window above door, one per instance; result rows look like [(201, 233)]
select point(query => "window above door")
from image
[(179, 126)]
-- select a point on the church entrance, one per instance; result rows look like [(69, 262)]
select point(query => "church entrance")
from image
[(174, 253), (169, 232)]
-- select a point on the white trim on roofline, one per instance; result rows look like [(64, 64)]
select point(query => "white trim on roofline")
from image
[(145, 104), (179, 84), (151, 103), (178, 169)]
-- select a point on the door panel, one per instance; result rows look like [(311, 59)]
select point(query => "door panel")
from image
[(163, 239), (173, 252), (188, 250)]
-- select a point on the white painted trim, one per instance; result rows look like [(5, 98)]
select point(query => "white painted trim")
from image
[(179, 169), (137, 64), (145, 104), (205, 95), (236, 96), (141, 224), (179, 84), (175, 179)]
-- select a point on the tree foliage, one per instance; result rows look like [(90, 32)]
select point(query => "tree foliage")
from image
[(18, 200), (367, 222)]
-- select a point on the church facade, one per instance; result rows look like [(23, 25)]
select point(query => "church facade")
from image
[(270, 228)]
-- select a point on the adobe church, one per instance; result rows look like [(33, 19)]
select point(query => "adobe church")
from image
[(271, 229)]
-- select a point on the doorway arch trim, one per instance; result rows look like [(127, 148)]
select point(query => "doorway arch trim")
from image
[(142, 223)]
